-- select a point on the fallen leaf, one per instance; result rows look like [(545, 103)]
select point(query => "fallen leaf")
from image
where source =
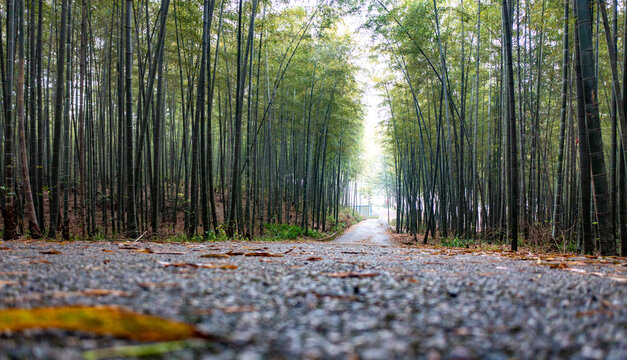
[(412, 280), (607, 304), (4, 283), (40, 261), (107, 250), (314, 258), (99, 320), (154, 350), (560, 265), (104, 292), (351, 274), (263, 254), (169, 252), (462, 331), (5, 248), (216, 256), (235, 253), (215, 266), (237, 309), (593, 313), (204, 266), (13, 273), (144, 250), (151, 285), (50, 252)]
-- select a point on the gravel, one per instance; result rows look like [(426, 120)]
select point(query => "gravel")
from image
[(361, 300)]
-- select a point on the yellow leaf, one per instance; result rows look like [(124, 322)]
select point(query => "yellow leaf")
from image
[(99, 320)]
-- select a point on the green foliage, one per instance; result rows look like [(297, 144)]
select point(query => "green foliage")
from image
[(287, 232), (457, 242), (99, 237)]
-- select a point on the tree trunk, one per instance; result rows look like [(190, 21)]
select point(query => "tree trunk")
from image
[(595, 139)]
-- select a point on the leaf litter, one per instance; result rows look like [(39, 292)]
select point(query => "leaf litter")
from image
[(100, 320)]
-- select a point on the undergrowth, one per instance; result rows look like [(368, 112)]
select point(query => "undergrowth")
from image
[(277, 232)]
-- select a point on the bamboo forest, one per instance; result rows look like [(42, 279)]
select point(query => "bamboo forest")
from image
[(313, 179)]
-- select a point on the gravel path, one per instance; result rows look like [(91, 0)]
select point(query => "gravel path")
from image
[(348, 299), (367, 232)]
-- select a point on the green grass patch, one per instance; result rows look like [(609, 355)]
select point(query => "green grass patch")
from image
[(457, 242), (287, 232)]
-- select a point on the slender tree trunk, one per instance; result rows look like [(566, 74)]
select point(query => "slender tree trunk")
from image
[(55, 186), (512, 172), (131, 214), (587, 244), (559, 177), (29, 207), (595, 139)]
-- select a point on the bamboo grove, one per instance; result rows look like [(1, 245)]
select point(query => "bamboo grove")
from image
[(506, 119), (174, 117)]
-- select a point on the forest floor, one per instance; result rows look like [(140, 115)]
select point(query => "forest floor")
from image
[(360, 296)]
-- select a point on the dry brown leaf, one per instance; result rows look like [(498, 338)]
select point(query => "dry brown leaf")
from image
[(226, 310), (237, 309), (215, 256), (560, 265), (13, 273), (40, 261), (194, 265), (414, 281), (107, 250), (104, 292), (216, 266), (5, 248), (4, 283), (593, 313), (314, 258), (263, 254), (88, 292), (351, 274), (169, 252), (235, 253), (99, 320), (607, 304), (50, 252), (152, 285)]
